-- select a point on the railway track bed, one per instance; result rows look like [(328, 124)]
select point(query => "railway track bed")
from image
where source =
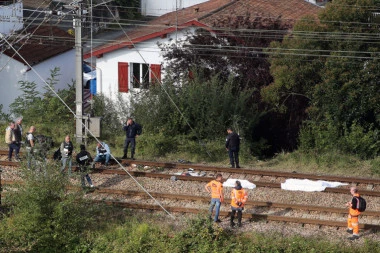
[(269, 207)]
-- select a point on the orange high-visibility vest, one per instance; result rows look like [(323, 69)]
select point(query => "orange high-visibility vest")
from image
[(238, 196)]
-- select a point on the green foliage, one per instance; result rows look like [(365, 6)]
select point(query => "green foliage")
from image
[(110, 112), (332, 81), (202, 236), (131, 237), (44, 217), (46, 111), (200, 108)]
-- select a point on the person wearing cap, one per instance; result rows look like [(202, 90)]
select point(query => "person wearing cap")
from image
[(238, 199), (84, 159)]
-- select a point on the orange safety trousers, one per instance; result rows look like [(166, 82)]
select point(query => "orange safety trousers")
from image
[(353, 221)]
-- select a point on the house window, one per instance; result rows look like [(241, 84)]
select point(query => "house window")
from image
[(123, 76), (140, 75)]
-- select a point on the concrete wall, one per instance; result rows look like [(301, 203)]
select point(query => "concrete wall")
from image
[(11, 18), (158, 8), (11, 72)]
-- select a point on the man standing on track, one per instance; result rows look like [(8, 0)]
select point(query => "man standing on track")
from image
[(18, 135), (215, 187), (353, 214), (10, 139), (67, 149), (233, 146), (30, 143), (132, 130)]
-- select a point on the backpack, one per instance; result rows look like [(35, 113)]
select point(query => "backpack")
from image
[(361, 204), (57, 154)]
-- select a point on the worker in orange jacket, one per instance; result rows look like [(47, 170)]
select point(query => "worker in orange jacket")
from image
[(353, 215), (215, 188), (238, 199)]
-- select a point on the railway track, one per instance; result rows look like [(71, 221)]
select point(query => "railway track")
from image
[(353, 180), (169, 168), (251, 217)]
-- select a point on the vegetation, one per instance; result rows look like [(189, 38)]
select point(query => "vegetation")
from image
[(333, 80)]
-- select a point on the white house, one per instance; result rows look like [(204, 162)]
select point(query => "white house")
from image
[(157, 8), (134, 60), (11, 16), (47, 48)]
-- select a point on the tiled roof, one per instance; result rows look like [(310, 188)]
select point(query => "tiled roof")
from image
[(211, 14), (289, 11), (44, 42)]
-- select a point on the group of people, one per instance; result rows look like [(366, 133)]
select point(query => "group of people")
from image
[(239, 197), (14, 139)]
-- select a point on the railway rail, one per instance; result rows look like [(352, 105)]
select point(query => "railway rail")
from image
[(353, 180), (167, 173), (249, 216)]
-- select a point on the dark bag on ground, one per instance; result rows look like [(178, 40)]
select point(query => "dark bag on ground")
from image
[(57, 154), (361, 204)]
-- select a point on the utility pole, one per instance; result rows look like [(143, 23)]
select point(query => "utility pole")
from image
[(77, 5)]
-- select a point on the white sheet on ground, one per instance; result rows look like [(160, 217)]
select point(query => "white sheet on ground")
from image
[(244, 183), (308, 185)]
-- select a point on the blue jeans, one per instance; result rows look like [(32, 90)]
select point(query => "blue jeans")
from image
[(102, 158), (15, 147), (66, 160), (215, 202)]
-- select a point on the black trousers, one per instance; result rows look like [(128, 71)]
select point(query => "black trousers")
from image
[(233, 153), (131, 141)]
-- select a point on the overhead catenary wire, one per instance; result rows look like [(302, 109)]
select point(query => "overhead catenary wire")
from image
[(88, 130)]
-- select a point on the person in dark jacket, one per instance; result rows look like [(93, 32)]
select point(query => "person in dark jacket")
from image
[(18, 136), (84, 159), (132, 130), (233, 146)]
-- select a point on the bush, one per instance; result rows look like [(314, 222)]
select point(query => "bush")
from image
[(43, 216)]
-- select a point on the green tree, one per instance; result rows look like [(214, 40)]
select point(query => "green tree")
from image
[(330, 68)]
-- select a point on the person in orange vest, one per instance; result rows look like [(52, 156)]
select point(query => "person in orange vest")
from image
[(238, 199), (215, 188), (353, 214)]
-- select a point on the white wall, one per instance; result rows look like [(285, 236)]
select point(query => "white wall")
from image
[(161, 7), (11, 18), (14, 71), (145, 52)]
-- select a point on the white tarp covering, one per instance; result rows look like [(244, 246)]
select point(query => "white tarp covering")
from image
[(308, 185), (244, 183)]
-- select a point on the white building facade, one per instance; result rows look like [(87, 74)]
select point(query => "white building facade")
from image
[(14, 71), (157, 8), (11, 16)]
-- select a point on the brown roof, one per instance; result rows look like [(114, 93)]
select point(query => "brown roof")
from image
[(211, 14), (43, 43), (289, 11), (36, 3)]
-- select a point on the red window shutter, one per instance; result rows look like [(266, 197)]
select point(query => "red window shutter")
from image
[(123, 76), (155, 73)]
